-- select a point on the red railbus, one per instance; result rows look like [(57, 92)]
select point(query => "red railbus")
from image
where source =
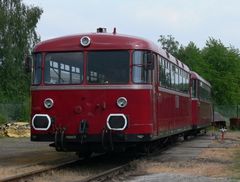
[(202, 109), (106, 91)]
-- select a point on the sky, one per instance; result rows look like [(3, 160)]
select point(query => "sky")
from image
[(186, 20)]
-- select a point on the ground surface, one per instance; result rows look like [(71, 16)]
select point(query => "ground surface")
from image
[(18, 155), (203, 159)]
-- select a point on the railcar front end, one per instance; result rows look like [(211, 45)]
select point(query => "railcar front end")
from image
[(92, 96)]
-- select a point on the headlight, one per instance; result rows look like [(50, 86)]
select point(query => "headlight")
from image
[(48, 103), (122, 102)]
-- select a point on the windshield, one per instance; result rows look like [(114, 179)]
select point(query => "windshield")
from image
[(108, 67), (63, 68)]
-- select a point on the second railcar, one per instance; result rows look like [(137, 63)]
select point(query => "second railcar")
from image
[(202, 109)]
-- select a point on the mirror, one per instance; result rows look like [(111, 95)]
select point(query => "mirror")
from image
[(28, 64)]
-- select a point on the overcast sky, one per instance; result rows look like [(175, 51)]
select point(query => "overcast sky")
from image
[(186, 20)]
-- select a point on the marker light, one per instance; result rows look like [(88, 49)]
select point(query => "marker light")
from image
[(85, 41)]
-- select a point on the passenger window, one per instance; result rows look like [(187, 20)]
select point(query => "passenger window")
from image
[(194, 89), (167, 74), (180, 80), (162, 74), (173, 75), (176, 79)]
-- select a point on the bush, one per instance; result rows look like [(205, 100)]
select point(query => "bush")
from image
[(13, 111), (3, 119), (24, 113)]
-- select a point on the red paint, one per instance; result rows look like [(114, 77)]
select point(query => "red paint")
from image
[(96, 106)]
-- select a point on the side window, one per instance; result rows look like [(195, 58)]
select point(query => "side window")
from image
[(162, 74), (159, 69), (37, 68), (204, 91), (176, 79), (181, 80), (168, 74), (173, 75), (141, 73), (194, 88), (186, 83)]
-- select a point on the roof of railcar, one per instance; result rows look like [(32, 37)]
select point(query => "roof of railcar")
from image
[(195, 75), (104, 41)]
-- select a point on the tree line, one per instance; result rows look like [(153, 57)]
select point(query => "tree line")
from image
[(217, 63), (17, 37)]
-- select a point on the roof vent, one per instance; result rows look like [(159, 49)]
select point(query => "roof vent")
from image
[(102, 30)]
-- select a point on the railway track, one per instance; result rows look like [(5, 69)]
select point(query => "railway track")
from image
[(104, 175), (36, 172), (108, 174), (99, 177), (111, 173)]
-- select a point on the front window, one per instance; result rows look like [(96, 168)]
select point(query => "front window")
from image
[(141, 74), (108, 67), (37, 69), (63, 68)]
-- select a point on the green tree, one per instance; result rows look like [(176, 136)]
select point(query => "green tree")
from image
[(17, 38), (169, 44), (191, 55), (222, 70)]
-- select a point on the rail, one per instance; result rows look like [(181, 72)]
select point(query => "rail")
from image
[(102, 176), (36, 172)]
